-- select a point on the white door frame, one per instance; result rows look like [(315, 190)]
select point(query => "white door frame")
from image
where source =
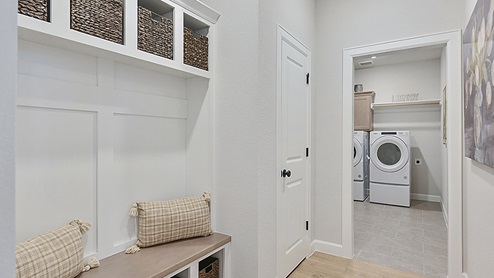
[(452, 41), (284, 35)]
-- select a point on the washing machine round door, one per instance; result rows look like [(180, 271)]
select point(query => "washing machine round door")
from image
[(389, 153), (357, 152)]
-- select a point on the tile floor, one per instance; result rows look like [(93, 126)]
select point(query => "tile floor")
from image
[(412, 239)]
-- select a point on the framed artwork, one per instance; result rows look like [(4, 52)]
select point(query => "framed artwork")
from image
[(478, 76), (444, 116)]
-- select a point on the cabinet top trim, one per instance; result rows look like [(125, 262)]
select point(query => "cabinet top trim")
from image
[(199, 9)]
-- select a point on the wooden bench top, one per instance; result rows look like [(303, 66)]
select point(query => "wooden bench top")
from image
[(157, 261)]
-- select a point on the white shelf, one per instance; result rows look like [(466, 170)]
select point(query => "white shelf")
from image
[(57, 33), (406, 103)]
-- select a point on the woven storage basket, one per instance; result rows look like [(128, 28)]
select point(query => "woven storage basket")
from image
[(34, 8), (195, 50), (155, 33), (209, 268), (99, 18)]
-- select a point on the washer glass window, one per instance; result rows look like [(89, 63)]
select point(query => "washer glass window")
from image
[(389, 154)]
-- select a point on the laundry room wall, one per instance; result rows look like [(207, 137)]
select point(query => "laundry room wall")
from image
[(424, 122), (478, 189), (350, 23)]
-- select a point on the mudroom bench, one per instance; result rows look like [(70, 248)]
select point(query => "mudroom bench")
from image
[(175, 259)]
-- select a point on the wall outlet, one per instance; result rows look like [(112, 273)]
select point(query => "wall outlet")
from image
[(418, 161)]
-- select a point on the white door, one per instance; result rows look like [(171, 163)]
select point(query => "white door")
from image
[(293, 241)]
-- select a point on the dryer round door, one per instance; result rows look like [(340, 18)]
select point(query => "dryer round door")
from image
[(357, 152), (389, 154)]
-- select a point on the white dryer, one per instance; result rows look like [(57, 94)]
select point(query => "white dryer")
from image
[(390, 167), (360, 165)]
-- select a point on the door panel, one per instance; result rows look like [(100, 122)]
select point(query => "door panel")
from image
[(293, 244)]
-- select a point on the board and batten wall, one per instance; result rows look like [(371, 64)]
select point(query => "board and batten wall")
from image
[(478, 226), (342, 24), (8, 87), (95, 135), (423, 122)]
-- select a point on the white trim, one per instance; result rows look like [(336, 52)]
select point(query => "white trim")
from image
[(425, 197), (452, 42), (465, 275), (327, 247), (199, 9)]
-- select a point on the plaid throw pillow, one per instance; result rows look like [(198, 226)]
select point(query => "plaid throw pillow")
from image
[(55, 254), (165, 221)]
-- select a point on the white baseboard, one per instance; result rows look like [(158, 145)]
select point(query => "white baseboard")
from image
[(327, 247), (425, 197)]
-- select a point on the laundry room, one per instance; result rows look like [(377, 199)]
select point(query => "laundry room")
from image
[(400, 159), (408, 90)]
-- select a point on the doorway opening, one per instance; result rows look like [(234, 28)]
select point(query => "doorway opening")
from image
[(446, 47)]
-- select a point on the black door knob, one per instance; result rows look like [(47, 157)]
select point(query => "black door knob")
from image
[(286, 173)]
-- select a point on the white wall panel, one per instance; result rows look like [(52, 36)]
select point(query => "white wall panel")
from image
[(127, 102), (56, 171), (95, 136), (55, 63), (199, 144), (149, 165), (39, 91), (141, 80)]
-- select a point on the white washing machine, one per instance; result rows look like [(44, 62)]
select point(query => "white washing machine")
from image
[(390, 175), (360, 165)]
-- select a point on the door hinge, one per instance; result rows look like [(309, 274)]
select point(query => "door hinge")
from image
[(306, 225), (306, 152), (307, 81)]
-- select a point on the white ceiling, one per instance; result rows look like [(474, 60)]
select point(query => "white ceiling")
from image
[(399, 57)]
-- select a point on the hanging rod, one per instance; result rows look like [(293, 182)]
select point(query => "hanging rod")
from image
[(406, 103)]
